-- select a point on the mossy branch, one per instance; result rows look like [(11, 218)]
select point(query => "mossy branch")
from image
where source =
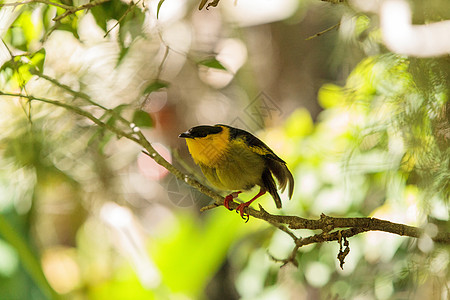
[(332, 228)]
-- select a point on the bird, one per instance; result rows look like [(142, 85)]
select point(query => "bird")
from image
[(233, 159)]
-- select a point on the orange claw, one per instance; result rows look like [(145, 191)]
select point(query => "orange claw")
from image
[(240, 209), (230, 197), (242, 206), (226, 201)]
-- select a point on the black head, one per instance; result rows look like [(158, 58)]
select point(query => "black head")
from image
[(201, 131)]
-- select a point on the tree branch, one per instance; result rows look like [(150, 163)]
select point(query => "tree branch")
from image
[(333, 229), (69, 9), (78, 8), (15, 4)]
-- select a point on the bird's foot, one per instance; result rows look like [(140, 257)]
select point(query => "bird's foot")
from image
[(240, 209), (242, 206), (230, 197)]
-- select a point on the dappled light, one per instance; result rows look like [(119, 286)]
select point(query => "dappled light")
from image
[(100, 198)]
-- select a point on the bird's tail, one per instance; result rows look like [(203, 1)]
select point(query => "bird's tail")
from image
[(283, 176), (271, 187)]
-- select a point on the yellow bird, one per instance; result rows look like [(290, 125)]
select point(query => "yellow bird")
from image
[(233, 159)]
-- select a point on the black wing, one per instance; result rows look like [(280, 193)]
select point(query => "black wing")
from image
[(275, 164)]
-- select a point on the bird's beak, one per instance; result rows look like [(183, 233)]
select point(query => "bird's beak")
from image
[(185, 135)]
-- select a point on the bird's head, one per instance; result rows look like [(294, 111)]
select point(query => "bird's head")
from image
[(207, 144)]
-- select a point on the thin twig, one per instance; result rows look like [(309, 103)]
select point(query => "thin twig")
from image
[(161, 65), (160, 68), (78, 111), (9, 50), (15, 4), (83, 96), (81, 7), (334, 1), (323, 31), (68, 89), (285, 229)]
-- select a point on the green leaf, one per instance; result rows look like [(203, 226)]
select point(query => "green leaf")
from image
[(25, 22), (158, 8), (27, 256), (131, 25), (123, 52), (212, 63), (101, 137), (299, 123), (118, 109), (130, 28), (22, 67), (142, 119), (9, 69), (37, 60), (7, 65), (155, 85), (47, 16), (169, 254), (114, 114), (16, 37), (111, 10), (330, 95), (70, 24), (23, 73), (100, 16), (111, 121)]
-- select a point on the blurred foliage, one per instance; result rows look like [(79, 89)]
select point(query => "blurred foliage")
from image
[(85, 215)]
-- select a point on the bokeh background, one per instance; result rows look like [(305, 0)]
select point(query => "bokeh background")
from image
[(363, 127)]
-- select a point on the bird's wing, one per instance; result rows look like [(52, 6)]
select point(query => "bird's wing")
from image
[(276, 165), (257, 146)]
